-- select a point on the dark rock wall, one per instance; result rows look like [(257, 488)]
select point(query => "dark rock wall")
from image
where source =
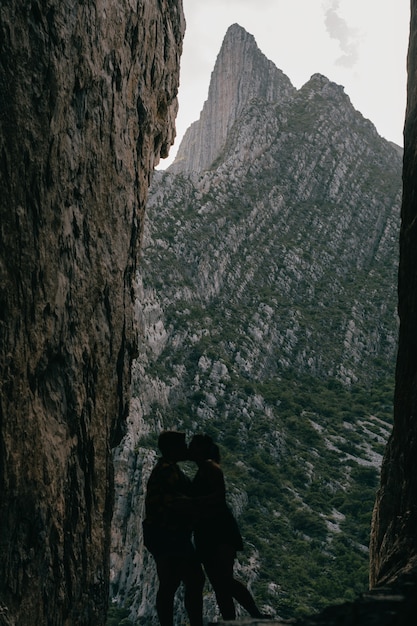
[(394, 537), (87, 106)]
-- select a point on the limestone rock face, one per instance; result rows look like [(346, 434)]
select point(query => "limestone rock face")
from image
[(87, 107), (394, 539), (241, 73)]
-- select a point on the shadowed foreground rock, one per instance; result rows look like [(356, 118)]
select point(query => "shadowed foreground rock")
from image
[(87, 106), (394, 605), (394, 537)]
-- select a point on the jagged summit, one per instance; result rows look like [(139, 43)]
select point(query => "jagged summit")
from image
[(241, 73), (320, 84)]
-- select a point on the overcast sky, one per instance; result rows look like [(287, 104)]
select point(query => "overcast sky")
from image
[(360, 44)]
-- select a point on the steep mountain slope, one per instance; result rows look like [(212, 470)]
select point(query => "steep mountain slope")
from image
[(267, 297), (241, 74)]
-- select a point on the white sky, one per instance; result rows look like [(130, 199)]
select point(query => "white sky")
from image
[(360, 44)]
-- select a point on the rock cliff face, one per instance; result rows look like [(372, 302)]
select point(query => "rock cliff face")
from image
[(241, 73), (87, 106), (268, 305), (394, 539)]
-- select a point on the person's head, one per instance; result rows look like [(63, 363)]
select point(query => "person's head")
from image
[(202, 447), (173, 446)]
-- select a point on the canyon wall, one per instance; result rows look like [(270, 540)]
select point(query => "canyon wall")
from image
[(394, 539), (87, 107)]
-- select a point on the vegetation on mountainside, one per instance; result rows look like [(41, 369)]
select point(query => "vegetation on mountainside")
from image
[(280, 343), (268, 303), (302, 473), (118, 617)]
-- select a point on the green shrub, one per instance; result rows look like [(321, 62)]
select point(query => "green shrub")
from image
[(118, 616)]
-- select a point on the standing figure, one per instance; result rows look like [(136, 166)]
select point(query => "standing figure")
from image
[(216, 533), (167, 531)]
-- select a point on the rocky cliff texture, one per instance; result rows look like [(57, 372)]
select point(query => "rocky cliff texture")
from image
[(394, 539), (241, 73), (268, 305), (88, 101)]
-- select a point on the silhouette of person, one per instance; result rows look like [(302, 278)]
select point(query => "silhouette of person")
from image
[(167, 531), (216, 533)]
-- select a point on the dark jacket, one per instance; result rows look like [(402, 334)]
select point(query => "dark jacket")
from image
[(169, 511), (168, 502), (215, 525)]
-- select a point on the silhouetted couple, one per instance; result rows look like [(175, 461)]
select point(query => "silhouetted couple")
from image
[(175, 509)]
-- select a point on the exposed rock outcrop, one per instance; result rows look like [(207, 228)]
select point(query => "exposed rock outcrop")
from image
[(87, 107), (394, 537), (241, 73)]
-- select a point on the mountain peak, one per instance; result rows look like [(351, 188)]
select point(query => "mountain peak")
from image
[(319, 83), (237, 30), (241, 73)]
